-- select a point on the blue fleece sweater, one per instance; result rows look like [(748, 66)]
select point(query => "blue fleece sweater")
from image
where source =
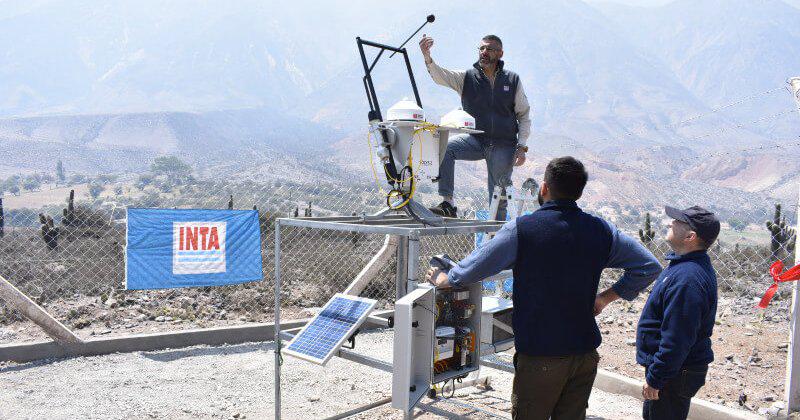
[(678, 319)]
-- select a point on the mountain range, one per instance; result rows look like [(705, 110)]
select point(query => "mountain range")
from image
[(687, 89)]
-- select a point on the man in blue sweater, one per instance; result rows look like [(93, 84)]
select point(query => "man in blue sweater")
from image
[(673, 339), (558, 254)]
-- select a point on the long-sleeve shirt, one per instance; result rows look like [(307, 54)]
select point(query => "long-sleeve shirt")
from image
[(455, 80), (639, 265)]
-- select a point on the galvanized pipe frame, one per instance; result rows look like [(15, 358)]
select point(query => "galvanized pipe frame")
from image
[(393, 225), (409, 232)]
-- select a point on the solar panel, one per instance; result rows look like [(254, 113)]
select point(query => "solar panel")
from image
[(321, 337)]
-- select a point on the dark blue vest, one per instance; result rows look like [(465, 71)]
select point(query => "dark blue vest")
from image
[(492, 107), (561, 254)]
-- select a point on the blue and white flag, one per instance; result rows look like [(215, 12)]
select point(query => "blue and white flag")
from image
[(170, 248)]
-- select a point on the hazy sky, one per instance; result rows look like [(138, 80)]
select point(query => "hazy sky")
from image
[(632, 2)]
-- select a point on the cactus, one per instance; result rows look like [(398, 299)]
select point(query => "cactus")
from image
[(646, 235), (782, 236), (2, 219), (60, 176), (49, 231), (69, 218)]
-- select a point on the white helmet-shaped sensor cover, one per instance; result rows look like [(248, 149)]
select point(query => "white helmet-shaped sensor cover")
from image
[(458, 118), (405, 110)]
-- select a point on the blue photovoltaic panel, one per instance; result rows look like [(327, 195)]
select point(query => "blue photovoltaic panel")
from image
[(327, 331)]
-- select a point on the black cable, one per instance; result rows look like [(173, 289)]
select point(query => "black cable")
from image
[(427, 309), (407, 207)]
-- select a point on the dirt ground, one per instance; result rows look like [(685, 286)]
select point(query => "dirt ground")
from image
[(48, 194), (750, 355), (237, 382), (748, 372)]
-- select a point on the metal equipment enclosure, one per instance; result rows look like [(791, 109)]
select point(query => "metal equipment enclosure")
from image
[(408, 232)]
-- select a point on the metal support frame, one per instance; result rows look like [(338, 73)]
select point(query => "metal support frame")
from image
[(792, 386), (401, 287), (408, 232), (21, 302), (278, 344)]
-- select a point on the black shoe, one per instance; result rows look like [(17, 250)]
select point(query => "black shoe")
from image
[(445, 209)]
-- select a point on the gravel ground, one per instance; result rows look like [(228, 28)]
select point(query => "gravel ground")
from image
[(749, 356), (237, 382)]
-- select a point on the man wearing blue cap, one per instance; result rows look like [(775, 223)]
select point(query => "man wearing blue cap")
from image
[(673, 338)]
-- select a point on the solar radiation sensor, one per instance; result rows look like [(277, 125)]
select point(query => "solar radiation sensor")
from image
[(324, 335)]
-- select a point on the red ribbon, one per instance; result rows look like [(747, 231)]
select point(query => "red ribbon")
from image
[(778, 276)]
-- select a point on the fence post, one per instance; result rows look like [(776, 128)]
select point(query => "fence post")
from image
[(793, 358)]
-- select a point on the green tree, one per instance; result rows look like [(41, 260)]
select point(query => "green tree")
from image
[(95, 189), (31, 182), (46, 178), (172, 168), (60, 175), (737, 224), (143, 181), (12, 184), (77, 179), (106, 178)]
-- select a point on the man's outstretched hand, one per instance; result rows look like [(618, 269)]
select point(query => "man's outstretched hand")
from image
[(425, 45), (437, 278)]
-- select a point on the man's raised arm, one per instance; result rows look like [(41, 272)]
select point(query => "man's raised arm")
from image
[(440, 75)]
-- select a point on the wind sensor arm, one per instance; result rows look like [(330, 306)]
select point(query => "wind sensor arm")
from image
[(372, 98)]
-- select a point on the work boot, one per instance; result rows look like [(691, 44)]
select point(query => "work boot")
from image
[(445, 209)]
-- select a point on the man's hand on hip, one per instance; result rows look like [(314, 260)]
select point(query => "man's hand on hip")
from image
[(437, 278), (425, 45), (603, 299), (649, 393), (519, 157)]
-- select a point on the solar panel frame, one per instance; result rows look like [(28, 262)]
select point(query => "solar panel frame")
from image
[(340, 329)]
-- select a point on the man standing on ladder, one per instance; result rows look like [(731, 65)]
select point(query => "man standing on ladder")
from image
[(494, 96)]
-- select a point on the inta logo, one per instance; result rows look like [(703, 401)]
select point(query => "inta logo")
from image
[(198, 247)]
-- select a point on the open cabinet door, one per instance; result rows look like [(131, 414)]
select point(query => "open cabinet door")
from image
[(413, 347)]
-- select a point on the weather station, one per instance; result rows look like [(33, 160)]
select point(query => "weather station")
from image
[(441, 337)]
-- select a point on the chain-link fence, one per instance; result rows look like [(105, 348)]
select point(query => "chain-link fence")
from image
[(70, 257), (66, 251)]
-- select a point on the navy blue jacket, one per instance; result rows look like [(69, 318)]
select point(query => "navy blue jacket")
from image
[(678, 318), (492, 105), (558, 254)]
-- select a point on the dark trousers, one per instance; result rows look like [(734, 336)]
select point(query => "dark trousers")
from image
[(674, 398), (557, 388)]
